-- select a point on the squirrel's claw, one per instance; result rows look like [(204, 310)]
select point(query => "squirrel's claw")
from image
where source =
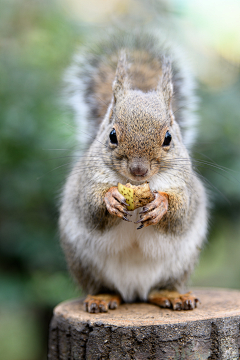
[(124, 203), (116, 203)]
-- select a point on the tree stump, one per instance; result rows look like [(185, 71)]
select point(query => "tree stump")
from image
[(143, 331)]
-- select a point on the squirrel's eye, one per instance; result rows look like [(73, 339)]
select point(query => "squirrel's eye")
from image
[(113, 137), (168, 138)]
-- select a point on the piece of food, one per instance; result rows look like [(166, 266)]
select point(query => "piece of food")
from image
[(136, 196)]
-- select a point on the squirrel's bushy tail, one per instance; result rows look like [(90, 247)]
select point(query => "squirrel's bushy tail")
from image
[(89, 79)]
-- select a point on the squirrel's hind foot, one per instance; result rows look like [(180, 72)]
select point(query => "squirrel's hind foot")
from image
[(174, 300), (101, 303)]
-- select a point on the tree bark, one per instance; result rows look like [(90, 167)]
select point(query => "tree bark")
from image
[(144, 331)]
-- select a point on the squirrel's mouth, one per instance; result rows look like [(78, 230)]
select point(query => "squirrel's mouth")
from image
[(141, 175), (139, 178)]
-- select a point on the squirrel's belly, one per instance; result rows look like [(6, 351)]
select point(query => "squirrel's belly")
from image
[(131, 274), (144, 259)]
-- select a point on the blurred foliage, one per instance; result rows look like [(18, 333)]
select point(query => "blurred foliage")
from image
[(37, 41), (219, 146)]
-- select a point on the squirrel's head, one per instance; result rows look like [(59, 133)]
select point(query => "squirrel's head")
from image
[(142, 125)]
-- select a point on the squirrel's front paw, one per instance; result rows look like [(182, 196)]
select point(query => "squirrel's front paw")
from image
[(116, 203), (154, 211)]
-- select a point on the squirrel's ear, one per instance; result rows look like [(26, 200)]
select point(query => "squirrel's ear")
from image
[(165, 85), (120, 83)]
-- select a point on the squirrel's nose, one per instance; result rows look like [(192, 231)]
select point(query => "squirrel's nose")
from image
[(138, 169)]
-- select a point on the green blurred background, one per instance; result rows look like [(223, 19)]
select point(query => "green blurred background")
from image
[(37, 41)]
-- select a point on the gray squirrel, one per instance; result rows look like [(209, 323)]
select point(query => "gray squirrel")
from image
[(134, 99)]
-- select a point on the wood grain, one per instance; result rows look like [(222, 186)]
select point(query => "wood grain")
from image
[(143, 331)]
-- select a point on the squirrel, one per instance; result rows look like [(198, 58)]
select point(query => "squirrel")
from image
[(134, 99)]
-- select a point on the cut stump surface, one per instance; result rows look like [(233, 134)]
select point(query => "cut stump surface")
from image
[(143, 331)]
